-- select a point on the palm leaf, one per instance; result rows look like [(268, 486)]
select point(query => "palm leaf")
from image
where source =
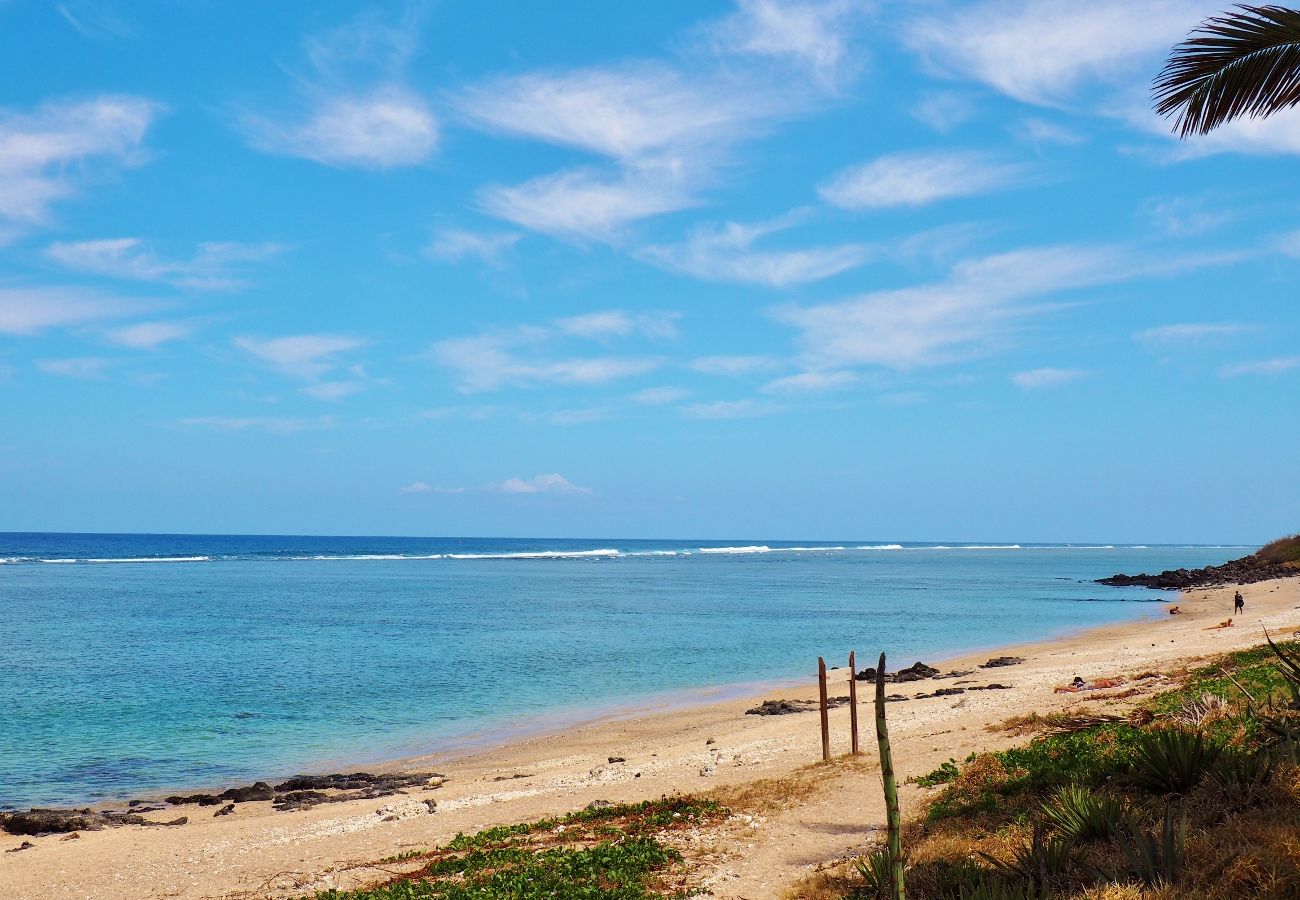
[(1244, 63)]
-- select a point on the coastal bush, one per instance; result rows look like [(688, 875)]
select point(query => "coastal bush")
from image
[(611, 853), (945, 773), (1281, 551)]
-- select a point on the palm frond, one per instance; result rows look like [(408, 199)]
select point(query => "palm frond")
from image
[(1244, 63)]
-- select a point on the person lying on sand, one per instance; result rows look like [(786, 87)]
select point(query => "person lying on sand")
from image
[(1079, 684), (1224, 624)]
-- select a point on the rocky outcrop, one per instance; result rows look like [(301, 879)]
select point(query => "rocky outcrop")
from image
[(999, 662), (62, 821), (917, 671), (786, 707), (1247, 570)]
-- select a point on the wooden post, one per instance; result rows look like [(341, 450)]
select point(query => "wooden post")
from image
[(892, 816), (853, 704), (826, 722)]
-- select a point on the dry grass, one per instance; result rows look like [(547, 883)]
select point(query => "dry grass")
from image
[(768, 795)]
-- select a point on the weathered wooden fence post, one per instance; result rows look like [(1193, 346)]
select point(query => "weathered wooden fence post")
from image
[(892, 815), (853, 704), (826, 722)]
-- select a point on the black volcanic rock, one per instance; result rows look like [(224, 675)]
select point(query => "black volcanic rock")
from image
[(1247, 570)]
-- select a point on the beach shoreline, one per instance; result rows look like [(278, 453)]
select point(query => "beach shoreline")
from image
[(257, 852)]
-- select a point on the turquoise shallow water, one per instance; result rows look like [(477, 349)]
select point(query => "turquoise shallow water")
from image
[(131, 664)]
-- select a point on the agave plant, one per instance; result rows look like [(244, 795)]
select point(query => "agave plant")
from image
[(1033, 865), (1288, 664), (1173, 762), (1081, 816), (1243, 63), (1244, 775), (876, 869), (1157, 859)]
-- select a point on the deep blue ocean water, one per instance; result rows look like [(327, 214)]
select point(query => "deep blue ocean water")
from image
[(131, 664)]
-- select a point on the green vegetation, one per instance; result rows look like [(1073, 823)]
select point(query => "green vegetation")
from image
[(1196, 794), (615, 853)]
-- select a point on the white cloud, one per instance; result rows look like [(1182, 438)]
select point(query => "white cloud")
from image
[(356, 109), (616, 323), (455, 244), (1275, 366), (259, 423), (47, 155), (1040, 131), (966, 314), (540, 484), (814, 382), (214, 266), (1034, 379), (305, 356), (148, 335), (726, 253), (420, 487), (1043, 51), (387, 127), (810, 35), (584, 204), (1190, 332), (943, 111), (514, 356), (1187, 216), (660, 396), (1278, 134), (627, 112), (89, 368), (726, 409), (332, 390), (732, 365), (32, 310), (918, 178)]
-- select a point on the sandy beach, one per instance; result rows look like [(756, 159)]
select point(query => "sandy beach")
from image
[(257, 852)]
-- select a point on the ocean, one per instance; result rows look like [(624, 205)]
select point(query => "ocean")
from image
[(136, 664)]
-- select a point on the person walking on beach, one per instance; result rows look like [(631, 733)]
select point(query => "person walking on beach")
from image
[(1238, 604)]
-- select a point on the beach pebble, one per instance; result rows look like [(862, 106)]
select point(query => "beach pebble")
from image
[(616, 759)]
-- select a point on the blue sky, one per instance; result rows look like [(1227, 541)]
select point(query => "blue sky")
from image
[(762, 269)]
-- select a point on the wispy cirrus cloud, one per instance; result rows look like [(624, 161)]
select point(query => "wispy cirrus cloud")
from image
[(969, 312), (660, 396), (270, 424), (1275, 366), (813, 382), (1046, 377), (50, 154), (149, 335), (422, 487), (354, 106), (1044, 51), (811, 35), (214, 265), (1185, 333), (553, 483), (721, 410), (307, 357), (727, 253), (919, 178), (85, 368), (587, 204), (524, 356), (457, 244), (31, 310)]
